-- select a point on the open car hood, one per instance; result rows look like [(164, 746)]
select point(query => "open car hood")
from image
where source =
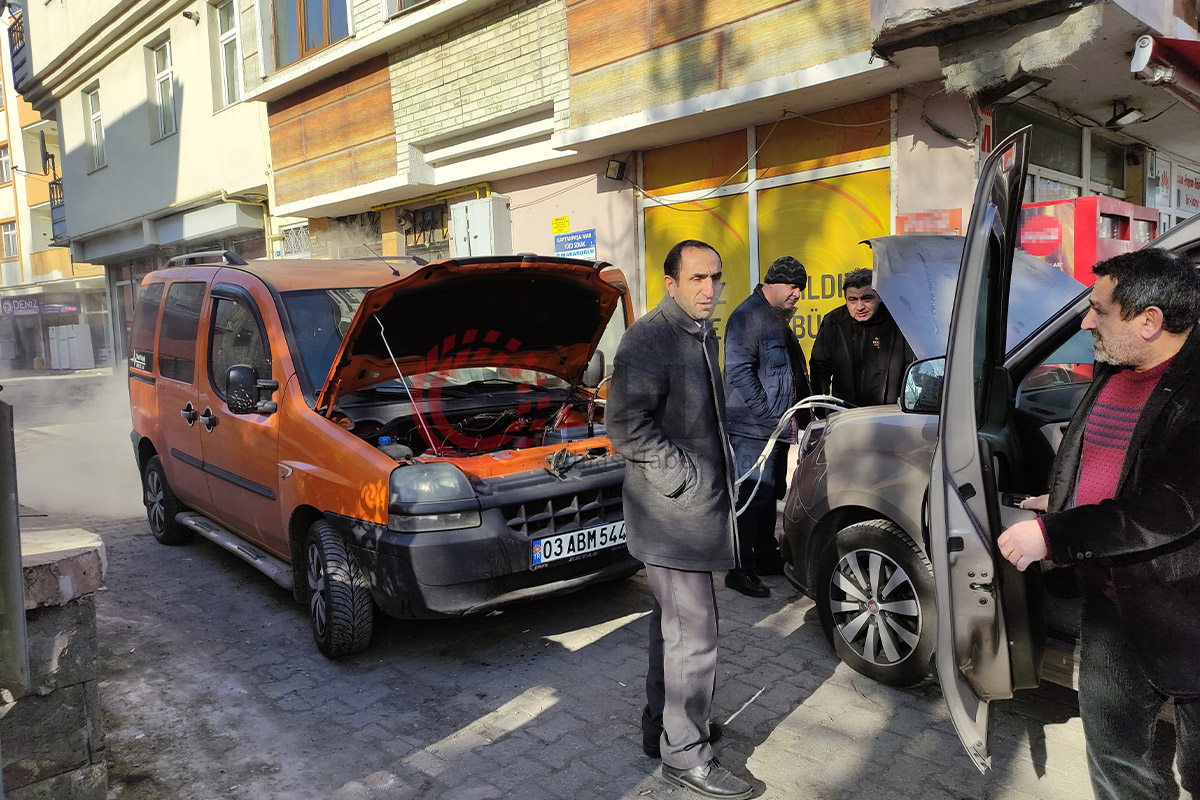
[(526, 312), (916, 276)]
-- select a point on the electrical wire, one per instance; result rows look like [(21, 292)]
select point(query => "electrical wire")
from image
[(676, 204), (842, 124), (938, 128), (827, 401), (553, 194)]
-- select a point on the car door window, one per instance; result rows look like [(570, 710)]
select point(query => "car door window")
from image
[(235, 338), (177, 336)]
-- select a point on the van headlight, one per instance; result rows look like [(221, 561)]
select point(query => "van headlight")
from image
[(431, 497)]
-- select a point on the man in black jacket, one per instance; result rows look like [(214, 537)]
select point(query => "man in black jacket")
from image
[(1124, 506), (859, 349), (666, 416), (764, 376)]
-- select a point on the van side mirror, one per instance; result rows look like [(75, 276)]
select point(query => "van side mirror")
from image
[(244, 391), (922, 392), (594, 373)]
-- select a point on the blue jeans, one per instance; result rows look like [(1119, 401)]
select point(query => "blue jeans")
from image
[(1120, 707), (757, 545)]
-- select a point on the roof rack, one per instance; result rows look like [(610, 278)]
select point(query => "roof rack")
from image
[(227, 257)]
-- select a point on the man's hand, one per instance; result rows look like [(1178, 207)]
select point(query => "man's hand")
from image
[(1038, 503), (1023, 543)]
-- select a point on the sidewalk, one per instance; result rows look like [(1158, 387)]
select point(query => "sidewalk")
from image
[(16, 377)]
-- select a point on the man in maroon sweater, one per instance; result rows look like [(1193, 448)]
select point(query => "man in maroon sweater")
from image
[(1124, 506)]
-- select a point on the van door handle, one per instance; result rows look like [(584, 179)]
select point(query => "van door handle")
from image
[(189, 414), (209, 419)]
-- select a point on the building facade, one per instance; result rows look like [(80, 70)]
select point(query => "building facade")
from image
[(604, 129), (160, 155), (53, 309), (613, 128)]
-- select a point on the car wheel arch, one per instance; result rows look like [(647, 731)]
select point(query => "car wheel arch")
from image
[(301, 520), (145, 451), (836, 520)]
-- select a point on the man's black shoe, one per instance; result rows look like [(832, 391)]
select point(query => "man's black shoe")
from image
[(715, 731), (746, 582), (709, 780)]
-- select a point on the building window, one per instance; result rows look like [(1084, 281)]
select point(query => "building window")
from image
[(296, 242), (5, 165), (164, 93), (8, 232), (95, 132), (305, 26), (231, 75)]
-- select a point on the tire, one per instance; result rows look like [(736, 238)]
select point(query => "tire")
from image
[(162, 505), (340, 607), (875, 596)]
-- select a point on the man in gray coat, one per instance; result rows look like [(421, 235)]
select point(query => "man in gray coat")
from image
[(666, 416)]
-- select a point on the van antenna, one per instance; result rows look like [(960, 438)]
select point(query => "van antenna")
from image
[(395, 271), (420, 417)]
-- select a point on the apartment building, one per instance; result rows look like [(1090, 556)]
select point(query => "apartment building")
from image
[(613, 128), (53, 310), (160, 153)]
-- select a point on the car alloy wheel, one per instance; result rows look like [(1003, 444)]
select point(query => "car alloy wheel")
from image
[(162, 505), (340, 606), (875, 599)]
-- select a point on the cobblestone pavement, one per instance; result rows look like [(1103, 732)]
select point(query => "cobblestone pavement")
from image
[(212, 687)]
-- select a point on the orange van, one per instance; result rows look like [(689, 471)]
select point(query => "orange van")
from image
[(424, 440)]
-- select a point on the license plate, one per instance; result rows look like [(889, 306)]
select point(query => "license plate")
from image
[(566, 546)]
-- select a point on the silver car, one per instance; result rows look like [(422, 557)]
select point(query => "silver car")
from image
[(891, 518)]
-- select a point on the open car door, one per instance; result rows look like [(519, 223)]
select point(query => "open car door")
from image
[(975, 643)]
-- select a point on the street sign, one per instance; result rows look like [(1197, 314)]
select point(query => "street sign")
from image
[(580, 244)]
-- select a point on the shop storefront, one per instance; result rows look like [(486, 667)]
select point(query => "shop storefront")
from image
[(55, 325), (813, 187)]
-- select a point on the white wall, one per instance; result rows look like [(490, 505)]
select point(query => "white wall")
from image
[(212, 149), (932, 171)]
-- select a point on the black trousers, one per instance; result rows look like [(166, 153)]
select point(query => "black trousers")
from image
[(757, 545), (682, 674), (1120, 707)]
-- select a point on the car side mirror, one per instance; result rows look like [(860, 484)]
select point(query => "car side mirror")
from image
[(923, 386), (594, 373), (244, 391)]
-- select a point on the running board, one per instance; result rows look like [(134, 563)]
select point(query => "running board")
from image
[(261, 560)]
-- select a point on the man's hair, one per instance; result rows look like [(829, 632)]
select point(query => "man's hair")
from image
[(856, 279), (1155, 277), (675, 257)]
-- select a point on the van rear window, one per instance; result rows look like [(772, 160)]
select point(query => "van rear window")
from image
[(177, 340), (145, 315)]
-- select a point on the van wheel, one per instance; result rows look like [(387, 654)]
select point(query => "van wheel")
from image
[(162, 505), (339, 599), (875, 597)]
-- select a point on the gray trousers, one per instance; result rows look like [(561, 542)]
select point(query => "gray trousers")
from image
[(683, 665)]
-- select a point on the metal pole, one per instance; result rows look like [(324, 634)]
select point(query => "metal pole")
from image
[(14, 655)]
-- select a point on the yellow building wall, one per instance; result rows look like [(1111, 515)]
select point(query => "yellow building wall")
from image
[(820, 221)]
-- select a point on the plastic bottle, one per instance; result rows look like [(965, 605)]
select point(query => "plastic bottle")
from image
[(394, 449)]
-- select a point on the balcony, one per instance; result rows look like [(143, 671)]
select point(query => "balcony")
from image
[(16, 49), (58, 212)]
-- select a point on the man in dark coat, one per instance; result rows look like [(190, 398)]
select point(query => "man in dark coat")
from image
[(1124, 505), (666, 416), (859, 349), (764, 376)]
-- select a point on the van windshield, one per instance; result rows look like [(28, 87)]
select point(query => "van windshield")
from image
[(319, 319)]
